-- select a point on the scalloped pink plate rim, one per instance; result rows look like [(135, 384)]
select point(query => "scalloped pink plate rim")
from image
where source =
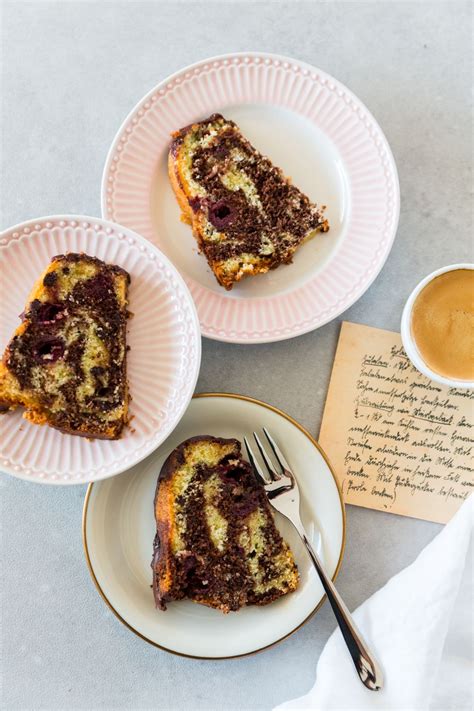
[(345, 277), (131, 452)]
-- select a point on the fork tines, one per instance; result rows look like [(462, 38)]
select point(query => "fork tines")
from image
[(273, 474)]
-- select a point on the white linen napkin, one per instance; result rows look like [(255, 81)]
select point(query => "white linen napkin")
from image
[(406, 624)]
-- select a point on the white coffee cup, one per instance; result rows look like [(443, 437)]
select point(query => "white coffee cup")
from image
[(408, 341)]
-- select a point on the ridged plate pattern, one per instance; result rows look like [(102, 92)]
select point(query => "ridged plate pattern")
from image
[(372, 213), (163, 335)]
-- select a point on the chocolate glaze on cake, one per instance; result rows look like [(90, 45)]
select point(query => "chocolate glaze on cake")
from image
[(201, 569)]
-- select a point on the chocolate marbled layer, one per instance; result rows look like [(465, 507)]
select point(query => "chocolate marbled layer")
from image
[(281, 215), (201, 571), (46, 341)]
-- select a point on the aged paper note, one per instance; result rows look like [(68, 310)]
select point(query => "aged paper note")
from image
[(398, 441)]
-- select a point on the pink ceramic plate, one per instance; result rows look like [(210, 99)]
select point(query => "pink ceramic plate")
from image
[(319, 133), (163, 335)]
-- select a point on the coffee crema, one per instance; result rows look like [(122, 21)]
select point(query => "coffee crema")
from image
[(442, 324)]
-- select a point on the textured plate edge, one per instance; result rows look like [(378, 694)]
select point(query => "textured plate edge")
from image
[(314, 442), (109, 223), (305, 65)]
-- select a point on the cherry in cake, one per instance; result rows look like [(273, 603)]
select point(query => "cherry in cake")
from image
[(216, 541), (247, 217), (66, 362)]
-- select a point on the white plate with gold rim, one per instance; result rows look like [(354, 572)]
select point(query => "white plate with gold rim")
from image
[(119, 528)]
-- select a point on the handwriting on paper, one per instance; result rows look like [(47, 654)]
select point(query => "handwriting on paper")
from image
[(398, 441)]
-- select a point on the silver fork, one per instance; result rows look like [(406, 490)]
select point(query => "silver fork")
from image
[(283, 493)]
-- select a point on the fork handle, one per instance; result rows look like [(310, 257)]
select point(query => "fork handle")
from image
[(365, 663)]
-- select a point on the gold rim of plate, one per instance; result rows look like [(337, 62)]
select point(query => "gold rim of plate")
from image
[(295, 629)]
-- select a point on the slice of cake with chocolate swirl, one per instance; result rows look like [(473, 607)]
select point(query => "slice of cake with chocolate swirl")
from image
[(66, 362), (216, 541), (246, 216)]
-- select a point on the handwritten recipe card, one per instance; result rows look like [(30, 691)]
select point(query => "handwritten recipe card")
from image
[(398, 441)]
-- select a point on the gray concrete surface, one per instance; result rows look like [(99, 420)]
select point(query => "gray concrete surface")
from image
[(71, 71)]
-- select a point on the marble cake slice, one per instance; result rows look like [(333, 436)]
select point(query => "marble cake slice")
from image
[(216, 541), (66, 362), (246, 216)]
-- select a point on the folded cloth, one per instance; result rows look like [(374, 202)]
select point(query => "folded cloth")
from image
[(406, 624)]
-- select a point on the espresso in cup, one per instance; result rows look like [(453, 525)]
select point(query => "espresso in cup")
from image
[(442, 324)]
